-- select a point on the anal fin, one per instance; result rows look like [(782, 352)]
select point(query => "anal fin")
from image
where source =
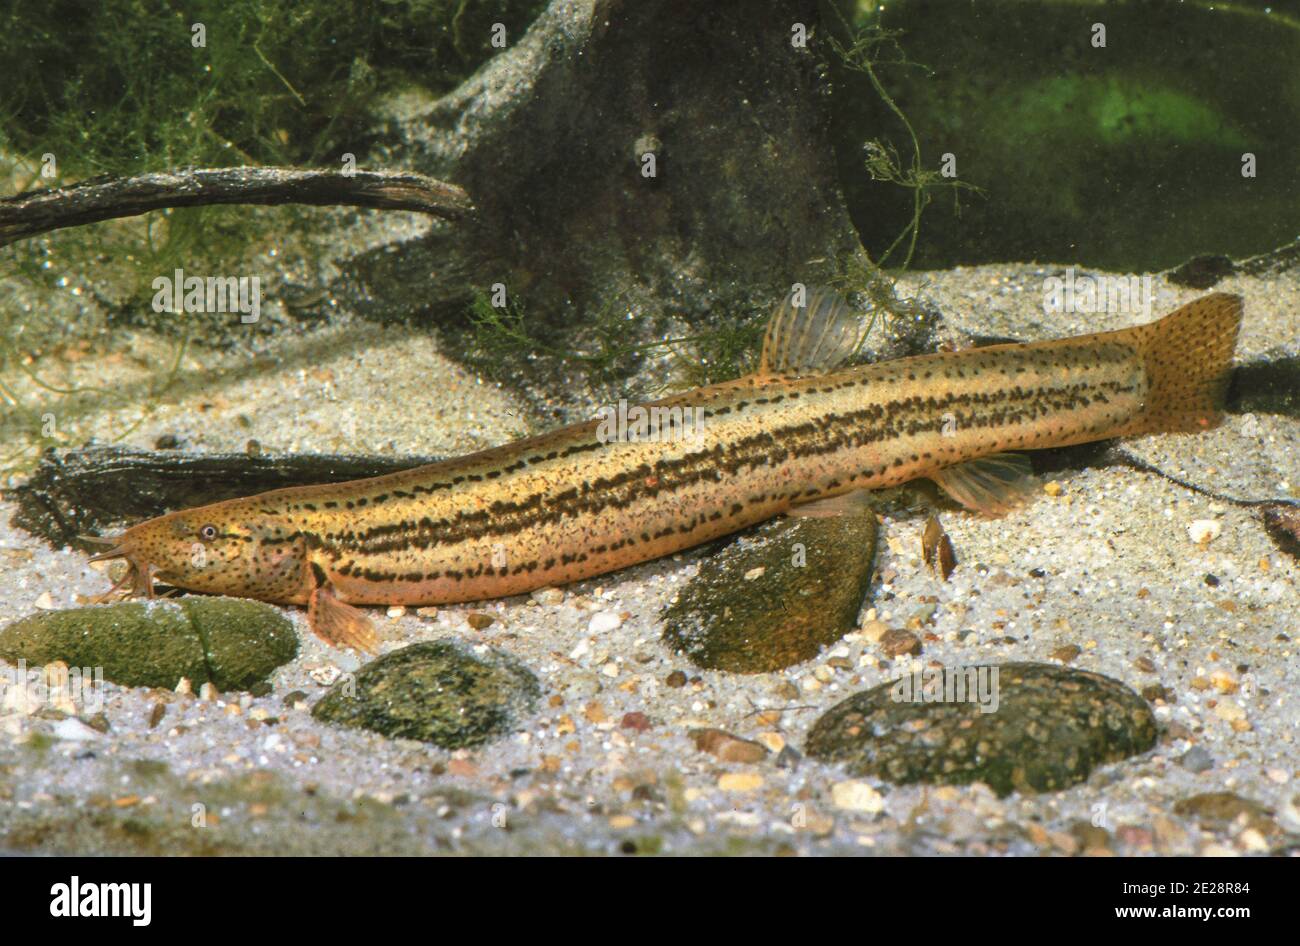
[(993, 485), (339, 624)]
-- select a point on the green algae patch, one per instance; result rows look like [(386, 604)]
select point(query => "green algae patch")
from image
[(1029, 728), (228, 642), (435, 692), (776, 596)]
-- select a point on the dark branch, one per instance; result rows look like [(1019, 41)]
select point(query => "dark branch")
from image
[(90, 201)]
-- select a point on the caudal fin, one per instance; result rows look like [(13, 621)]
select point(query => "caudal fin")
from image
[(1188, 359)]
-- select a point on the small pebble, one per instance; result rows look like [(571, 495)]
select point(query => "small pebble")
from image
[(636, 721), (72, 729), (874, 630), (604, 621), (857, 796), (727, 747), (786, 690), (325, 675), (740, 782), (896, 642), (1066, 653), (1230, 712), (1196, 759), (1223, 681)]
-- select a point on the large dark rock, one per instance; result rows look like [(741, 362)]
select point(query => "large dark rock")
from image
[(775, 596), (231, 642), (435, 692), (1048, 728)]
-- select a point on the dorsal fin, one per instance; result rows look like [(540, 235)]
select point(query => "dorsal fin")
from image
[(821, 334), (992, 485)]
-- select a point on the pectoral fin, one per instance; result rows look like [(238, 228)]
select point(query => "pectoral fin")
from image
[(992, 485), (339, 624)]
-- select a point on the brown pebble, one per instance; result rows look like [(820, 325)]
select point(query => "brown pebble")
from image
[(1066, 653), (676, 679), (786, 690), (1090, 837), (1155, 692), (1145, 665), (936, 549), (478, 620), (728, 748), (462, 767), (896, 642), (1226, 807), (156, 715), (637, 721)]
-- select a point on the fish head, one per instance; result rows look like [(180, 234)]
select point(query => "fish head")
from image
[(222, 548)]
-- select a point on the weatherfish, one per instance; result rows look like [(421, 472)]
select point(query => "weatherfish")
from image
[(805, 434)]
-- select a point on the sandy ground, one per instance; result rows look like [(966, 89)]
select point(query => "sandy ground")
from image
[(1121, 579)]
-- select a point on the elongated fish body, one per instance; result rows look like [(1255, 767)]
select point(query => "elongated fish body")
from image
[(592, 498)]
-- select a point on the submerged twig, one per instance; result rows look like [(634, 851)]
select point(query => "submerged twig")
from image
[(98, 199)]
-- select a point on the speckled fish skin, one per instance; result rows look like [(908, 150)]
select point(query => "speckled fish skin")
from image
[(569, 505)]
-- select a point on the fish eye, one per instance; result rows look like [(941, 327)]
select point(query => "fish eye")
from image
[(208, 533)]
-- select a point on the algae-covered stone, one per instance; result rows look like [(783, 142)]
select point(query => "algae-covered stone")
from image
[(434, 692), (243, 640), (1014, 726), (229, 642), (776, 596)]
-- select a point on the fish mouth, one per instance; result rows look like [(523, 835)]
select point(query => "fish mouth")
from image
[(139, 574)]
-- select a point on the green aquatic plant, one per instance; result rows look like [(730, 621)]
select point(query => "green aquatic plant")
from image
[(262, 81), (504, 341), (868, 46), (125, 87), (727, 351)]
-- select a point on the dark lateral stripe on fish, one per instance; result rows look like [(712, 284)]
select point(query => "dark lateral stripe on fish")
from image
[(908, 417)]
